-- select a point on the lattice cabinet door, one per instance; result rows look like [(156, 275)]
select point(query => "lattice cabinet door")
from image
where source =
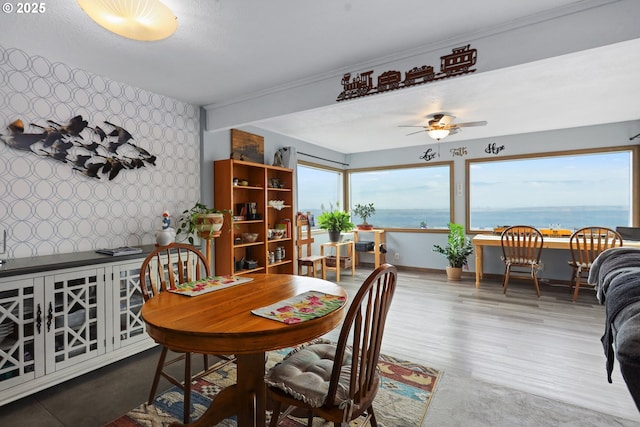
[(74, 317), (128, 325), (21, 327)]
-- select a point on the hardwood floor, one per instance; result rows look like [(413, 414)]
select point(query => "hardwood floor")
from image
[(549, 346)]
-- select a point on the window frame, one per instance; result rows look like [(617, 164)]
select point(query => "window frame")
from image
[(449, 163), (635, 175), (342, 182)]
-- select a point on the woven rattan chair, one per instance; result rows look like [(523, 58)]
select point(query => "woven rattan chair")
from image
[(585, 245), (521, 249), (338, 382), (164, 268)]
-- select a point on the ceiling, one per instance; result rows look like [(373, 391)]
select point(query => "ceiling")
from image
[(231, 50)]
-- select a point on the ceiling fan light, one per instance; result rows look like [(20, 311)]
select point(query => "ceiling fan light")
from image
[(145, 20), (438, 134)]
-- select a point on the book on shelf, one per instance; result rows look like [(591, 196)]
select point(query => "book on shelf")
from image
[(285, 224)]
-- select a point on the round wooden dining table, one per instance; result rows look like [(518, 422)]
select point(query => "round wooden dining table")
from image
[(221, 322)]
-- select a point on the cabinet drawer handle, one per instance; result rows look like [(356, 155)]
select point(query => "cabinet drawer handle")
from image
[(49, 317), (39, 318)]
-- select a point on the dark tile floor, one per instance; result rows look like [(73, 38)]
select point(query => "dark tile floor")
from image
[(91, 400)]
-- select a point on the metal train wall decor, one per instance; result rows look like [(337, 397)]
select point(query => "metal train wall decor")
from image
[(458, 62)]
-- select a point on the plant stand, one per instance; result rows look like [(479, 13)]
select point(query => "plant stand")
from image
[(350, 246)]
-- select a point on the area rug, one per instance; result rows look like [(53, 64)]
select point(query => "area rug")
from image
[(405, 391)]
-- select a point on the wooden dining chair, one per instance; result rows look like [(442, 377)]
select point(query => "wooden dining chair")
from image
[(303, 243), (164, 268), (521, 249), (338, 382), (585, 245)]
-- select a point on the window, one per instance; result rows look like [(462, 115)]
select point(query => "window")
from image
[(404, 197), (318, 187), (567, 191)]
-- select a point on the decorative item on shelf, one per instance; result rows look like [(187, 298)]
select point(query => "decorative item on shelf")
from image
[(276, 233), (276, 204), (335, 221), (167, 234), (275, 183), (247, 146), (200, 219), (248, 211), (250, 264), (249, 237), (458, 248), (364, 211)]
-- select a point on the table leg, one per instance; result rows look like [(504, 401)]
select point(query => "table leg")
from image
[(246, 399), (479, 264)]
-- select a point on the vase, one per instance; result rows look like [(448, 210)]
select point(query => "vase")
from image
[(209, 225), (334, 236), (454, 273), (165, 236)]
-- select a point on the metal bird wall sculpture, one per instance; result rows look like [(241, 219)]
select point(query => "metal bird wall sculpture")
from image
[(101, 154)]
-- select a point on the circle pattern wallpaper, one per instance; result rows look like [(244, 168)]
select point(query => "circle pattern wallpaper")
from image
[(63, 134)]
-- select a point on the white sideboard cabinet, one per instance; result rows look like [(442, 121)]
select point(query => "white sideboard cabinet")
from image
[(61, 319)]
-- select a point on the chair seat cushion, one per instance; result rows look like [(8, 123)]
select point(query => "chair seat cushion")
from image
[(311, 258), (305, 374)]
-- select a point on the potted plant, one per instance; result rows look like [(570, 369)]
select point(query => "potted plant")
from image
[(458, 248), (200, 219), (335, 221), (364, 211)]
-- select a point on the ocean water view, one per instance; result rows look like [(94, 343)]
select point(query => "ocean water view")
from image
[(567, 217)]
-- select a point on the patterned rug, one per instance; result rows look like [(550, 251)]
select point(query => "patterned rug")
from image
[(402, 401)]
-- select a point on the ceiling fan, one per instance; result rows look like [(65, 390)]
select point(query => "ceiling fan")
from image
[(440, 126)]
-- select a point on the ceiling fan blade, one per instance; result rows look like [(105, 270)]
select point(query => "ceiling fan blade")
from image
[(409, 126), (470, 124), (413, 133)]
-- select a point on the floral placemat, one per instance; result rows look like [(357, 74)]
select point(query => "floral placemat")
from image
[(208, 284), (303, 307)]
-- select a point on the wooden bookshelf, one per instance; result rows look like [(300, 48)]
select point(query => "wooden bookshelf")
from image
[(264, 183)]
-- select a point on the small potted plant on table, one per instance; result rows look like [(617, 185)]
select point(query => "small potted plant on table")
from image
[(364, 211), (335, 221), (458, 249)]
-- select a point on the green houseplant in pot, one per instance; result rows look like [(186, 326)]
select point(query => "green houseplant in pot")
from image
[(364, 211), (458, 249), (204, 221), (335, 221)]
